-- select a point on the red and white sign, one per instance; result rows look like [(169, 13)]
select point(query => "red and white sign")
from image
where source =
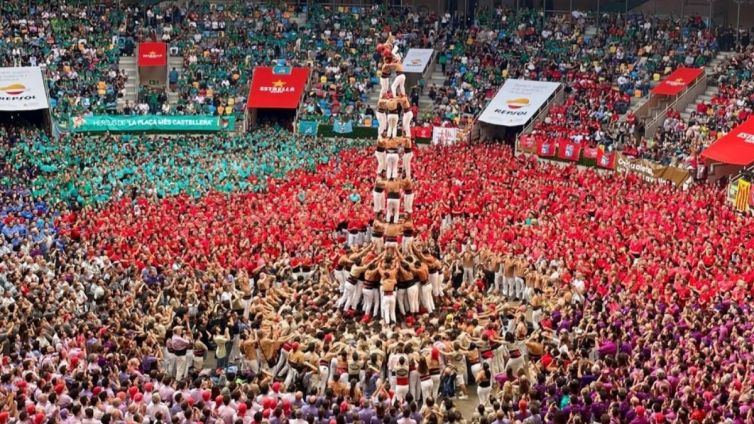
[(606, 159), (153, 54), (677, 81), (276, 91), (735, 148), (568, 150)]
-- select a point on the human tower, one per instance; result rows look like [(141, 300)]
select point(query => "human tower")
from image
[(392, 273)]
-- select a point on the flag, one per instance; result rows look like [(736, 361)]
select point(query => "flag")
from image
[(421, 132), (569, 151), (591, 152), (341, 127), (545, 148), (307, 127), (606, 159), (742, 196), (527, 143)]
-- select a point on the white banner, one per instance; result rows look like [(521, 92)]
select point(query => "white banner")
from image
[(416, 60), (22, 89), (444, 136), (517, 102)]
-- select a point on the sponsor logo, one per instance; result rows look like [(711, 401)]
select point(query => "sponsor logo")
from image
[(415, 62), (517, 103), (152, 55), (13, 93), (746, 137), (678, 82), (545, 149), (569, 150), (277, 88)]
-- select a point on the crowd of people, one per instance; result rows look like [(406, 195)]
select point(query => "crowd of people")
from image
[(581, 297), (212, 278)]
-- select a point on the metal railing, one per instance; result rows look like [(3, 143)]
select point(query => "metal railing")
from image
[(657, 118)]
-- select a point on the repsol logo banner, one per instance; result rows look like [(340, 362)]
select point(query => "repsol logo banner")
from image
[(517, 102), (22, 89)]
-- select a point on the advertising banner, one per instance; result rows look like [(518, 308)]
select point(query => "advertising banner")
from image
[(270, 90), (677, 81), (143, 123), (416, 60), (153, 54), (22, 88), (517, 102), (650, 171)]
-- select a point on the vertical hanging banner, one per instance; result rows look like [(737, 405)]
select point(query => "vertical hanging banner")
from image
[(742, 195), (568, 150), (307, 127), (545, 148), (341, 127), (606, 159), (153, 64), (444, 136)]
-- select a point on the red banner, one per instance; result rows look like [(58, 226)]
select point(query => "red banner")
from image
[(735, 148), (276, 91), (153, 54), (421, 132), (606, 159), (546, 148), (568, 150), (591, 152), (677, 81), (527, 143)]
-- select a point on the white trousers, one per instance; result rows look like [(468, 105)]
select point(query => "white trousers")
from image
[(382, 122), (348, 289), (353, 302), (408, 202), (384, 86), (402, 301), (388, 308), (406, 245), (391, 162), (484, 395), (393, 210), (399, 85), (340, 277), (434, 281), (426, 297), (401, 392), (380, 161), (427, 392), (378, 201), (413, 298), (377, 242), (408, 116), (371, 304), (392, 125), (181, 367), (407, 164)]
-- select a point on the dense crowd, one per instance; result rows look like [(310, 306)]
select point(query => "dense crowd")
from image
[(631, 307), (203, 278)]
